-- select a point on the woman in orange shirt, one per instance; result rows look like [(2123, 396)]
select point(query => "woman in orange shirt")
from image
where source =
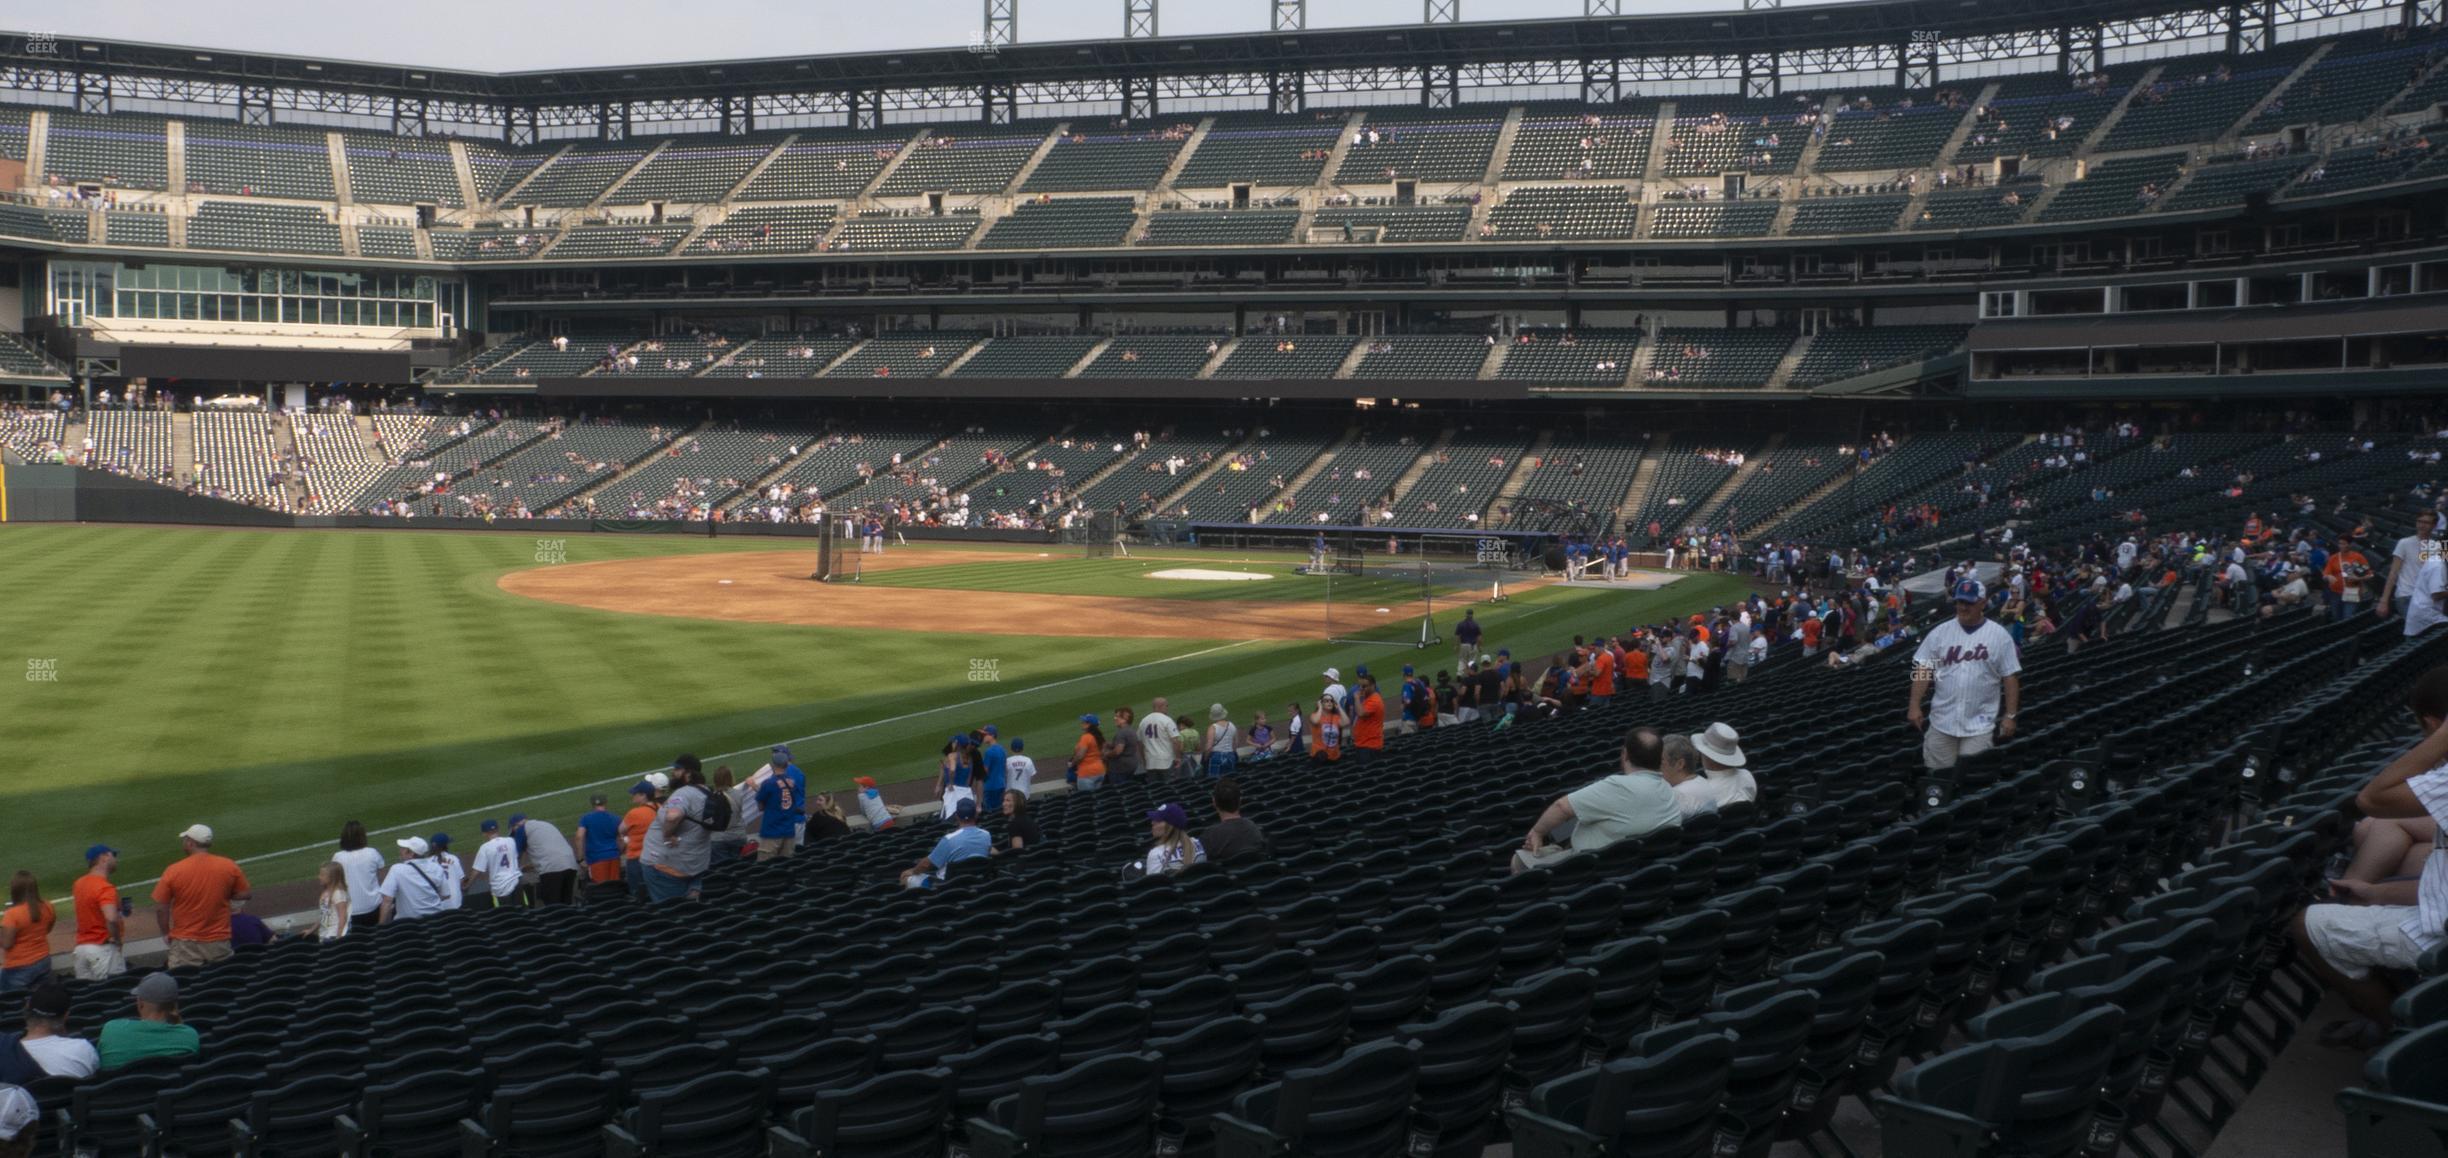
[(1326, 731), (25, 935), (1088, 756)]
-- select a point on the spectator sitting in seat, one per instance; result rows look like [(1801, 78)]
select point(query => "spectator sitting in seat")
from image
[(871, 804), (1681, 768), (46, 1037), (1024, 831), (1632, 803), (2390, 924), (1232, 836), (1722, 760), (966, 841), (1175, 849), (155, 1031)]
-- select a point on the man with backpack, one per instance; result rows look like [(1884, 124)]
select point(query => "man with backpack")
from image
[(681, 845)]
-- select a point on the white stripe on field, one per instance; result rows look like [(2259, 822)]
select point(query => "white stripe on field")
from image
[(430, 821)]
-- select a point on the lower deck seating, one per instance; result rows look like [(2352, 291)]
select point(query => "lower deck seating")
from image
[(1422, 356), (2116, 188), (1153, 356), (1584, 357), (262, 227), (1296, 356), (1854, 350)]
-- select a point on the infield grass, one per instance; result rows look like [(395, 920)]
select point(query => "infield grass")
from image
[(273, 684)]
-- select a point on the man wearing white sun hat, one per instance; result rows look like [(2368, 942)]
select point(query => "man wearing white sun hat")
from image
[(1728, 770)]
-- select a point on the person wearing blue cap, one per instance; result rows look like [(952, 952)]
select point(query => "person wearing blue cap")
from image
[(1975, 668), (101, 925), (956, 777), (781, 803), (966, 841), (497, 864), (549, 853), (994, 762)]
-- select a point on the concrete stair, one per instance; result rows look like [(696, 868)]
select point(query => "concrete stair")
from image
[(1198, 476), (182, 446), (1817, 493), (2099, 132), (38, 145), (1029, 167), (1644, 480), (341, 191), (1495, 361), (630, 172), (1334, 159), (1782, 376), (464, 172), (1172, 173), (1419, 466), (1316, 467), (1518, 479), (284, 439), (510, 194), (2277, 92), (1660, 136), (756, 170), (884, 174), (1094, 352), (1504, 148), (639, 463), (174, 164), (1208, 369), (1706, 508)]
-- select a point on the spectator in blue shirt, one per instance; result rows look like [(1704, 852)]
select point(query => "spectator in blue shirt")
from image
[(996, 764), (966, 840), (783, 801), (599, 831)]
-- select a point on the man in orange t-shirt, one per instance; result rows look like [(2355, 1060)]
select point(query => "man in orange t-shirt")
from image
[(1636, 664), (1368, 724), (1602, 675), (101, 931), (192, 902), (634, 826)]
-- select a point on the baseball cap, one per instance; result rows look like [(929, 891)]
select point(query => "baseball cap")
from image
[(199, 833), (781, 752), (516, 817), (660, 780), (863, 781), (1407, 670), (489, 826), (1334, 673), (1171, 814), (1090, 718), (17, 1113), (990, 730), (1506, 652), (958, 740), (95, 853), (965, 810), (439, 841), (415, 845), (642, 788), (596, 801), (158, 988), (49, 999), (1361, 670), (1970, 591)]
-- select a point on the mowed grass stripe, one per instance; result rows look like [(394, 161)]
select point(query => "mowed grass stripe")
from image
[(274, 684), (1128, 578)]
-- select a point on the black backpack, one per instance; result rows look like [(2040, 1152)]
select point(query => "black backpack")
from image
[(717, 810)]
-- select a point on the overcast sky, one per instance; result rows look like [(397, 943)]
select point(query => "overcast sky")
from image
[(494, 36)]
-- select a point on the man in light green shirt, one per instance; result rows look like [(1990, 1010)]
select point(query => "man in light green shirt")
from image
[(1634, 802), (155, 1031)]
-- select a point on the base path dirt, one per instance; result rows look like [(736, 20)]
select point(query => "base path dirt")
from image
[(773, 587)]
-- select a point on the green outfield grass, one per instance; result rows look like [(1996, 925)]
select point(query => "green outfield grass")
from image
[(276, 683)]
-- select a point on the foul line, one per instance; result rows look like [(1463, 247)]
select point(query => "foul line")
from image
[(430, 821)]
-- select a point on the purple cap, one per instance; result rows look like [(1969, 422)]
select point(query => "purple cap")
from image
[(1171, 814)]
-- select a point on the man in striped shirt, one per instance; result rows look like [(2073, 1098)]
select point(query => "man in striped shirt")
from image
[(2389, 924)]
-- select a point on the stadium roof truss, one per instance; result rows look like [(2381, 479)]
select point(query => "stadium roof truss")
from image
[(1757, 52)]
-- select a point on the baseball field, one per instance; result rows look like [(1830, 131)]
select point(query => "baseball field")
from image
[(273, 684)]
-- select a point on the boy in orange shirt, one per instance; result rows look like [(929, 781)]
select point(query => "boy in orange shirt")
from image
[(634, 826), (101, 930)]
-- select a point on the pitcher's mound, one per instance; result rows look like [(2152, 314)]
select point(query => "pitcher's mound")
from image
[(1203, 575)]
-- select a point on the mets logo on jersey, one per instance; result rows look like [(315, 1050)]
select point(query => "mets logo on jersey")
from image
[(1960, 654)]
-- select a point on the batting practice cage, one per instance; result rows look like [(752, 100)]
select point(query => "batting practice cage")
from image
[(837, 552), (1384, 587)]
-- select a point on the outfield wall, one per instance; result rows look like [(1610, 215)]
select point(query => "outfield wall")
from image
[(67, 494)]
